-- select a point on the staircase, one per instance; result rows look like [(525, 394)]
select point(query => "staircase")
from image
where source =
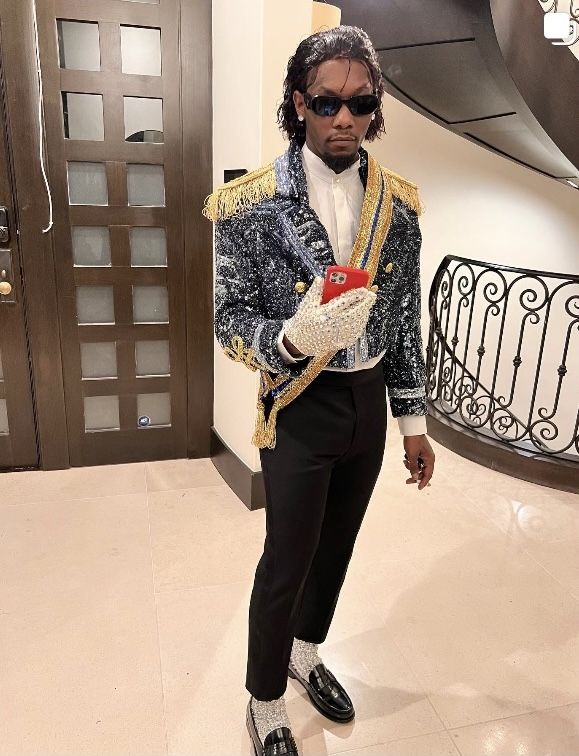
[(482, 69)]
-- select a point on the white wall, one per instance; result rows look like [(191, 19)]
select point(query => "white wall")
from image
[(237, 68), (478, 204), (252, 41)]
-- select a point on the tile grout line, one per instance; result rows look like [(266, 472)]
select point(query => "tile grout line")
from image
[(394, 741), (514, 716), (565, 588), (417, 679), (421, 685), (156, 612)]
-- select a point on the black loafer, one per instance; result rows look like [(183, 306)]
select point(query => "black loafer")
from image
[(279, 742), (326, 693)]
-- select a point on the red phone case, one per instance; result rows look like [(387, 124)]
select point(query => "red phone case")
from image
[(340, 278)]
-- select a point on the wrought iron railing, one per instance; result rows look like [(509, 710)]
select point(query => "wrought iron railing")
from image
[(503, 354)]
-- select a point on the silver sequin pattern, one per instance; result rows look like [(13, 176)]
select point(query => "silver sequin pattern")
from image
[(304, 657), (268, 715)]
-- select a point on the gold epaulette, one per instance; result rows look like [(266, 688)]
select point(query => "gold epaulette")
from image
[(405, 190), (240, 194)]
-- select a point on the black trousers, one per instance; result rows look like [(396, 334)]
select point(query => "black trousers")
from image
[(318, 481)]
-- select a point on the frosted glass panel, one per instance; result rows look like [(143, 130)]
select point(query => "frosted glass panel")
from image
[(99, 360), (91, 245), (83, 116), (78, 44), (141, 50), (148, 246), (101, 413), (150, 304), (153, 409), (1, 368), (95, 304), (152, 358), (146, 185), (143, 119), (3, 418), (87, 184)]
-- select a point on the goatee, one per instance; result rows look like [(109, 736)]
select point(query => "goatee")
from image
[(339, 163)]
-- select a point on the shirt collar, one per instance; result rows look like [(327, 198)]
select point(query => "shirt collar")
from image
[(316, 167)]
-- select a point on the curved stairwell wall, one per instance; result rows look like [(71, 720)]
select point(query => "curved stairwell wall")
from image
[(482, 69)]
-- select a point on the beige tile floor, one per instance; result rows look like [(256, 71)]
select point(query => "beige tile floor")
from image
[(123, 616)]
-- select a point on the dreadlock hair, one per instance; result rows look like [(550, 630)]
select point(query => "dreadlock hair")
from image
[(347, 42)]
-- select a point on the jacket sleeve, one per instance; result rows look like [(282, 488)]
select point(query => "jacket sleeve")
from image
[(404, 368), (241, 326)]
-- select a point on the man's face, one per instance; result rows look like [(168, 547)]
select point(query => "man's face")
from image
[(336, 139)]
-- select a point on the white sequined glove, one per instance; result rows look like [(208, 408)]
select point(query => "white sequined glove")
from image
[(319, 328)]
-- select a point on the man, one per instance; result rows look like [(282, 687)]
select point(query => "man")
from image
[(321, 415)]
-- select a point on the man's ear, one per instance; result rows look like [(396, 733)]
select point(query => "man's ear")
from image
[(299, 104)]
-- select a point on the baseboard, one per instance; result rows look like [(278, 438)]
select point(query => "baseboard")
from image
[(245, 483), (497, 455)]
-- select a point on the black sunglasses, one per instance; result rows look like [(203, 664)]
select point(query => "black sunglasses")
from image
[(328, 105)]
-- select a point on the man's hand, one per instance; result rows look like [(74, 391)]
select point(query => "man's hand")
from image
[(418, 460)]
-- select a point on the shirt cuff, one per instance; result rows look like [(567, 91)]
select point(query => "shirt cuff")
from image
[(412, 425), (285, 355)]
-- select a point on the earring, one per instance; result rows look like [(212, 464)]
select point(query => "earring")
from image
[(300, 118), (373, 116)]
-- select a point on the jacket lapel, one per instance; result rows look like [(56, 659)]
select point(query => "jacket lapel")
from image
[(302, 228)]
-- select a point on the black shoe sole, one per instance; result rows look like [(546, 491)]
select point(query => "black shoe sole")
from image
[(316, 704)]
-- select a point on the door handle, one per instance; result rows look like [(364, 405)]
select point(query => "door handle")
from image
[(7, 293), (4, 229)]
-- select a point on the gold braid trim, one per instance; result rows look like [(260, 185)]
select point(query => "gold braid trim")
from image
[(238, 352), (405, 190), (241, 194), (265, 432)]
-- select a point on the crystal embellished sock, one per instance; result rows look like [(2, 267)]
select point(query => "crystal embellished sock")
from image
[(304, 657), (268, 715)]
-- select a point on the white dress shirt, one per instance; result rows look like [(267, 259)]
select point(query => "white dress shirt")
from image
[(337, 199)]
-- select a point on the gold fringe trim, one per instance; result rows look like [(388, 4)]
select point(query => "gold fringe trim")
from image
[(241, 194), (264, 435), (405, 190)]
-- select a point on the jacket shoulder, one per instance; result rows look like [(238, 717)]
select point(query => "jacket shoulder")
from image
[(404, 189), (241, 194)]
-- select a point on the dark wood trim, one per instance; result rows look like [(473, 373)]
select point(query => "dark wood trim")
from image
[(196, 77), (40, 283), (551, 472), (245, 483)]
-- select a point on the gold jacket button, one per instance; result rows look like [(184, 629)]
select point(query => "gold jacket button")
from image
[(300, 287), (388, 268)]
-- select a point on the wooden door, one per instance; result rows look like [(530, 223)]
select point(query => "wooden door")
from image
[(114, 133), (17, 428)]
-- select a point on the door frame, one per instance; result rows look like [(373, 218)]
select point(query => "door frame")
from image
[(37, 249)]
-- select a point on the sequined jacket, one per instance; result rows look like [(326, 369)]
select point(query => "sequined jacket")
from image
[(268, 254)]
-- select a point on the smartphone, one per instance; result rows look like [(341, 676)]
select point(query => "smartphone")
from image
[(340, 278)]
